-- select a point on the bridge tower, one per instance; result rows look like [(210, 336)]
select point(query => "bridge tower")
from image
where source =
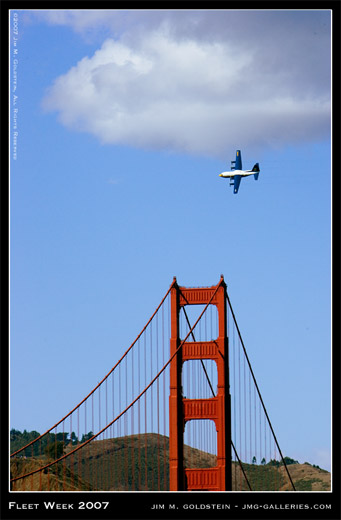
[(217, 408)]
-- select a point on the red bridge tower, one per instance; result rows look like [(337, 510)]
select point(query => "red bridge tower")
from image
[(217, 408)]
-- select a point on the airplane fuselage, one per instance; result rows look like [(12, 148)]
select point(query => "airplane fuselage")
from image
[(242, 173)]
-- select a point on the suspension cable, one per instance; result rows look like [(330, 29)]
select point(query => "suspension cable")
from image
[(104, 378), (259, 394), (132, 403), (241, 465)]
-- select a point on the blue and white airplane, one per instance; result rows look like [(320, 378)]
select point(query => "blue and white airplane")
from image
[(236, 173)]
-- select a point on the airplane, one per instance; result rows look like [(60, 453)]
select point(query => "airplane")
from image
[(237, 173)]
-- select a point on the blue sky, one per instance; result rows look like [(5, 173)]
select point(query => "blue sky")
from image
[(125, 119)]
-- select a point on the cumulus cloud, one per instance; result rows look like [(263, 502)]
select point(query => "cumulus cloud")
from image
[(202, 89)]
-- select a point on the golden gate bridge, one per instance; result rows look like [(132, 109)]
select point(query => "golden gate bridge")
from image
[(181, 410)]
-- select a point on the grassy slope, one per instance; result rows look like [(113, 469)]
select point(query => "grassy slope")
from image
[(120, 464)]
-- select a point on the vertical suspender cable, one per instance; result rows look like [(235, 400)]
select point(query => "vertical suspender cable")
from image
[(145, 415), (106, 467), (240, 404), (250, 416), (139, 415), (158, 404), (164, 400), (132, 423), (126, 448), (244, 376), (261, 399)]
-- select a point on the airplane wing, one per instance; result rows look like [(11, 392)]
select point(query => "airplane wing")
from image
[(238, 162), (236, 182)]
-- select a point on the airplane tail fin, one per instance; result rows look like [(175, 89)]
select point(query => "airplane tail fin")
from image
[(256, 170)]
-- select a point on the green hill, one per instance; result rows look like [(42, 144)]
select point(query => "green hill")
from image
[(141, 463)]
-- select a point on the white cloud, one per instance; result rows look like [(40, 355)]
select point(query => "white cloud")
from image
[(198, 93)]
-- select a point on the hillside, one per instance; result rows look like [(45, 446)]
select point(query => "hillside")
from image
[(53, 479), (309, 478), (120, 464)]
